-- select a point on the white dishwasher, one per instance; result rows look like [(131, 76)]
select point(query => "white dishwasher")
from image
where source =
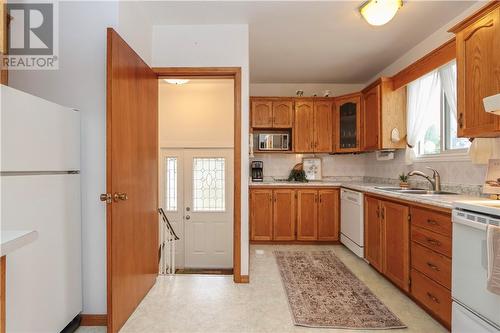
[(352, 221)]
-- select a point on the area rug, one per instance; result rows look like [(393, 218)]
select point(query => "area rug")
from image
[(323, 292)]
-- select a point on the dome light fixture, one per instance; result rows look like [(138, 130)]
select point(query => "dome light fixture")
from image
[(176, 81), (379, 12)]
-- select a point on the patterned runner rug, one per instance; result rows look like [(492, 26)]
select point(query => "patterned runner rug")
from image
[(323, 292)]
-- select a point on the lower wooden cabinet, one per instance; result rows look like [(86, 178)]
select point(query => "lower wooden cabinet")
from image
[(387, 239), (284, 215), (290, 214), (261, 218)]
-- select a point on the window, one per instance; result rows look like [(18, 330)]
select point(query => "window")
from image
[(209, 190), (171, 188), (434, 96)]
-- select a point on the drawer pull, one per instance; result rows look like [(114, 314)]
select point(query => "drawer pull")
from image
[(433, 242), (433, 298), (432, 266), (432, 222)]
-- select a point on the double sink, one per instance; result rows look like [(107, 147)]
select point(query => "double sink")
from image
[(412, 190)]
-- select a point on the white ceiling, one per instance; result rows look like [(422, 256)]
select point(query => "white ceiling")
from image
[(306, 41)]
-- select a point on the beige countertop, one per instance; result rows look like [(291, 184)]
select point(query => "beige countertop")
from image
[(438, 200)]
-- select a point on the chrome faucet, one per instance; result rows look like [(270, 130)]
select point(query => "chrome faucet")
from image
[(435, 180)]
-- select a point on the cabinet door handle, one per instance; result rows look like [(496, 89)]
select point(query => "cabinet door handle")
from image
[(432, 266), (378, 212), (432, 222), (383, 212), (433, 298), (433, 241), (461, 120)]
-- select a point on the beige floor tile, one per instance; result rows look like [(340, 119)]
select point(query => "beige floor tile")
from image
[(194, 303)]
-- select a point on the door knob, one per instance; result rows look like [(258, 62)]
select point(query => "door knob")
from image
[(105, 197), (120, 196), (188, 217)]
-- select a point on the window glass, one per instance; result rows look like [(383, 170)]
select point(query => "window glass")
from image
[(171, 188), (209, 184)]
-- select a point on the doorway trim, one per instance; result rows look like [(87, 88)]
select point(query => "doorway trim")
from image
[(223, 73)]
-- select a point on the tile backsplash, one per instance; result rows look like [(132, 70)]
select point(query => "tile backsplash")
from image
[(458, 176)]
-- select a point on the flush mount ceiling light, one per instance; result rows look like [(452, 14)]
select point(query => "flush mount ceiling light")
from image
[(379, 12), (176, 81)]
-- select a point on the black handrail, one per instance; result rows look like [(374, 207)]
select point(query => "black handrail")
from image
[(167, 223)]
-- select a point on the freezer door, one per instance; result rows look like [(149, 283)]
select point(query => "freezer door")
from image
[(37, 135), (44, 286)]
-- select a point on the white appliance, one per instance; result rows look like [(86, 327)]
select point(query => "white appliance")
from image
[(475, 309), (274, 141), (40, 190), (352, 221)]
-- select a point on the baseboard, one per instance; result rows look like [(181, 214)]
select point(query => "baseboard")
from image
[(94, 320), (295, 242)]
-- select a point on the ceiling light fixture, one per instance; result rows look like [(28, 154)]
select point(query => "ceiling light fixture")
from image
[(176, 81), (379, 12)]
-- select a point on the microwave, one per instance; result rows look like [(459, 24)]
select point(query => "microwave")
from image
[(278, 141)]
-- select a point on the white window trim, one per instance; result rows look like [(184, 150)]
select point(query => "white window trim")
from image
[(456, 155)]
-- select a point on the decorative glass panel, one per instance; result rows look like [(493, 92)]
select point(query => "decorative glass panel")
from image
[(171, 177), (209, 184)]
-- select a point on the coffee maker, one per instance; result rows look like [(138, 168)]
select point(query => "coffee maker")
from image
[(257, 171)]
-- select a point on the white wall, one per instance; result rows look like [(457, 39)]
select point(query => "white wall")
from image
[(80, 83), (198, 114), (289, 89), (205, 46), (138, 36)]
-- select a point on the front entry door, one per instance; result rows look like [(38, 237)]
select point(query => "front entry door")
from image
[(202, 179), (132, 180)]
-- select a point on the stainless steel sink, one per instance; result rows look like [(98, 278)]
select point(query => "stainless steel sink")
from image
[(412, 190)]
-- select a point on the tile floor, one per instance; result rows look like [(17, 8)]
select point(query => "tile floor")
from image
[(193, 303)]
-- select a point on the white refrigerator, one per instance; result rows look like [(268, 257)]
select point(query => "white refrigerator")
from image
[(40, 190)]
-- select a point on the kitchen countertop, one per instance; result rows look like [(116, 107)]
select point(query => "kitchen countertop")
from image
[(438, 200), (15, 239)]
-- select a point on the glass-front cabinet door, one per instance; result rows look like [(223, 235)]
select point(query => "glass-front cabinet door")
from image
[(348, 119)]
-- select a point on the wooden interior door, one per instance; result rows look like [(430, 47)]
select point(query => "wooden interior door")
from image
[(307, 215), (396, 251), (373, 232), (283, 113), (371, 119), (323, 126), (328, 215), (284, 215), (304, 122), (261, 214), (262, 113), (132, 172), (478, 56)]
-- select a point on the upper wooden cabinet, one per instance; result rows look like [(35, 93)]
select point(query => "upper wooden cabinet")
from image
[(348, 123), (313, 130), (270, 112), (478, 68), (383, 112)]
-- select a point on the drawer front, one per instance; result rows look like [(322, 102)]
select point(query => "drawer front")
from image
[(431, 240), (434, 265), (433, 296), (437, 222)]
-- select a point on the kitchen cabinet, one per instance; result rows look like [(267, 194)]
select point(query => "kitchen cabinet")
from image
[(294, 214), (328, 214), (284, 215), (478, 65), (348, 123), (313, 130), (272, 112), (304, 126), (373, 233), (396, 240), (307, 214), (387, 239), (431, 258), (383, 111), (261, 218)]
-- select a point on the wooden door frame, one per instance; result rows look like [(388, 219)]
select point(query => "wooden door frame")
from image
[(222, 73)]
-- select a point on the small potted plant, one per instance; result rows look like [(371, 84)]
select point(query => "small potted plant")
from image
[(403, 180)]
